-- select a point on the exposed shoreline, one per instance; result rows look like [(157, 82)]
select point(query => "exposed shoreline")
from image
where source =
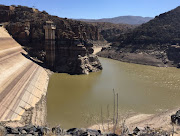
[(150, 57), (160, 120)]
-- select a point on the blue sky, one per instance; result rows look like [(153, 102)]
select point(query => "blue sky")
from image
[(95, 9)]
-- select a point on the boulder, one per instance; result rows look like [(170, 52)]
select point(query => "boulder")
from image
[(10, 130), (23, 132), (178, 65), (110, 134), (175, 118), (77, 132), (93, 132), (56, 130)]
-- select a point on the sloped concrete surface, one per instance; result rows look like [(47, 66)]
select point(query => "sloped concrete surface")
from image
[(22, 82)]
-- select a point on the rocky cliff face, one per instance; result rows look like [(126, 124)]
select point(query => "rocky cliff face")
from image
[(71, 52), (71, 57)]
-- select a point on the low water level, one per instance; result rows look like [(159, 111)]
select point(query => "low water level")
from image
[(76, 100)]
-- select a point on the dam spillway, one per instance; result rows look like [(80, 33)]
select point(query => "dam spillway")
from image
[(22, 81)]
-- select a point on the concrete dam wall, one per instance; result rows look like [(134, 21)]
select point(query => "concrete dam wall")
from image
[(22, 82)]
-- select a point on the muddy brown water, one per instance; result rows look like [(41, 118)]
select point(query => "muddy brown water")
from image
[(76, 100)]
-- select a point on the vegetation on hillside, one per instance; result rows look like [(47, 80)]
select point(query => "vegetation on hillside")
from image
[(164, 29)]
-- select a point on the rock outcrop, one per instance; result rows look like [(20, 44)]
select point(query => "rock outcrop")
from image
[(173, 53), (71, 57), (175, 118)]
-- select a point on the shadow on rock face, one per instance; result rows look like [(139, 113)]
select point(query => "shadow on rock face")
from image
[(72, 57)]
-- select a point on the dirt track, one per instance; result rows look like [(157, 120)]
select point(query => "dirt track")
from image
[(22, 82)]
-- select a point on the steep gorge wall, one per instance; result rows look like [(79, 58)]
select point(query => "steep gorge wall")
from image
[(22, 82)]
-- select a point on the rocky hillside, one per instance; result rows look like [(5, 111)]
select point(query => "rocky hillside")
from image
[(73, 52), (151, 43), (25, 22), (132, 20), (161, 30)]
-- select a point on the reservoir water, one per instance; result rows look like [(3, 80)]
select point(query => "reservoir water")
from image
[(76, 100)]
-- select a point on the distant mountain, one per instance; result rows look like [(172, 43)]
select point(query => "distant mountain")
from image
[(132, 20), (111, 31)]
